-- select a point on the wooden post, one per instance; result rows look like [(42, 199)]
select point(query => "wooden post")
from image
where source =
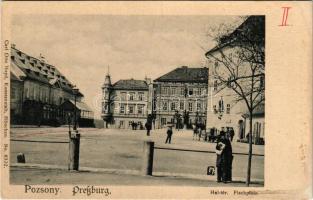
[(74, 152), (20, 158), (147, 160)]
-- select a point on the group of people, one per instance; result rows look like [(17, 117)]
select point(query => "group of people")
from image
[(135, 125), (198, 131), (224, 157)]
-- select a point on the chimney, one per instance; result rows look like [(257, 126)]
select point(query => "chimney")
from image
[(148, 80), (41, 58)]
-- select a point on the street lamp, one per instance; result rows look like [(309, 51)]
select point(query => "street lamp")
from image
[(75, 92)]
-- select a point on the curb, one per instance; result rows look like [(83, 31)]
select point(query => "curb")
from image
[(129, 172)]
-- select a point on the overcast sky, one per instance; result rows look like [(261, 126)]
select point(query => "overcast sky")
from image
[(82, 47)]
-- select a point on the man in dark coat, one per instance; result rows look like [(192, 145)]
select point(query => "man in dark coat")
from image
[(228, 159), (224, 158), (169, 135), (148, 126)]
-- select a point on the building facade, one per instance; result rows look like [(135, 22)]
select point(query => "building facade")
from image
[(229, 67), (180, 97), (126, 103), (38, 90)]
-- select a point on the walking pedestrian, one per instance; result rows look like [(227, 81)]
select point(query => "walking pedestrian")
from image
[(169, 135), (148, 127)]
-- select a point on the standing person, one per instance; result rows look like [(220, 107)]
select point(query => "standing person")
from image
[(228, 159), (194, 131), (148, 127), (219, 149), (169, 135)]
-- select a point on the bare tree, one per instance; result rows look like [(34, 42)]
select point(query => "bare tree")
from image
[(239, 64)]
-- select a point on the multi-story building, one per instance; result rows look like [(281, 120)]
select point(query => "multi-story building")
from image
[(38, 92), (126, 102), (227, 64), (180, 97)]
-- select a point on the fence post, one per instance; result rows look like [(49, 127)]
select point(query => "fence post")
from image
[(20, 158), (147, 161), (74, 151)]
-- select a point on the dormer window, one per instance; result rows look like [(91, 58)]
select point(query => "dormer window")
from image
[(23, 60), (32, 64), (12, 58), (37, 73), (28, 57), (35, 61), (19, 53)]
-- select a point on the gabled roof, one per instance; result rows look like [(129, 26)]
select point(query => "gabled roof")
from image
[(253, 24), (35, 69), (185, 74), (130, 84)]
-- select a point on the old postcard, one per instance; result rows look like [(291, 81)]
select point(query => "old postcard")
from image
[(156, 100)]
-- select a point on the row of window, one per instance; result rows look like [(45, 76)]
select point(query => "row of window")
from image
[(181, 106), (130, 109), (39, 93), (131, 96), (183, 91)]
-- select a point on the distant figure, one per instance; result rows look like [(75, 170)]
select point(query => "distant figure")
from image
[(148, 127), (133, 125), (169, 135), (195, 132)]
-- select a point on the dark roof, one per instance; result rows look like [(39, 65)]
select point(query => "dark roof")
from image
[(39, 70), (130, 84), (252, 27), (185, 74)]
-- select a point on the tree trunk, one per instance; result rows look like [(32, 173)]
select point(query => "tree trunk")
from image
[(250, 149)]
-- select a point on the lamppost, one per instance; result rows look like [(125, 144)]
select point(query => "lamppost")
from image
[(74, 143), (75, 92)]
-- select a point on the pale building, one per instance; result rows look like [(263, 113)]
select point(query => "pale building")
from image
[(225, 107), (126, 102)]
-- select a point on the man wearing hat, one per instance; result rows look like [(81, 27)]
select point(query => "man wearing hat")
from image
[(224, 158), (169, 134)]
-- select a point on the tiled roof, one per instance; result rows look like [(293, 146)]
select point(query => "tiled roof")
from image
[(185, 74), (38, 70), (131, 84)]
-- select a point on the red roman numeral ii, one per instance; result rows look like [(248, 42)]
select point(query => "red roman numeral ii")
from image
[(285, 16)]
